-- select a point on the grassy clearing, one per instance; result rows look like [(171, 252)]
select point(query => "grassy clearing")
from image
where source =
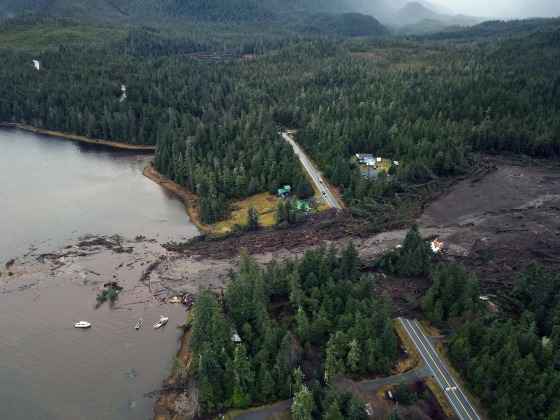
[(264, 203), (43, 37)]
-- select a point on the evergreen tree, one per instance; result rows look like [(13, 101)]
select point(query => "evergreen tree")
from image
[(253, 218), (303, 404)]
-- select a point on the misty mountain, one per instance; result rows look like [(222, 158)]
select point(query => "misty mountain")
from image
[(534, 8), (443, 10), (416, 18), (92, 10), (501, 28), (109, 11)]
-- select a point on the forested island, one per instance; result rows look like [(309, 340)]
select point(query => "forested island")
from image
[(436, 105)]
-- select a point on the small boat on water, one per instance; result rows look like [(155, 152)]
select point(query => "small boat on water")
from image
[(138, 324), (162, 321), (82, 324)]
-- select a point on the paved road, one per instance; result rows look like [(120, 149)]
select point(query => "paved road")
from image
[(263, 413), (440, 372), (313, 173), (409, 376)]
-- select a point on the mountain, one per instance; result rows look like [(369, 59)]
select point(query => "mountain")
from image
[(417, 18), (347, 24), (109, 11), (92, 10), (537, 8), (501, 29), (412, 13)]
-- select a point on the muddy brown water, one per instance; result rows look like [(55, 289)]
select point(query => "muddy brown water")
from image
[(53, 192)]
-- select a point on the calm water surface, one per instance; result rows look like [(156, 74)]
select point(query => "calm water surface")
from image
[(52, 192)]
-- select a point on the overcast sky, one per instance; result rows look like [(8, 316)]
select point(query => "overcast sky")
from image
[(503, 8)]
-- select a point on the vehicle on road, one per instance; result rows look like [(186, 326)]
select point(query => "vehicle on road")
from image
[(320, 180), (324, 192)]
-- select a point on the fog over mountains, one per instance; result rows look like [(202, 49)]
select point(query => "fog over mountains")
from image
[(503, 9), (401, 16)]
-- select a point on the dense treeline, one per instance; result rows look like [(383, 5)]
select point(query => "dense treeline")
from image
[(426, 103), (510, 367), (453, 294), (302, 323), (414, 258), (510, 358), (244, 157)]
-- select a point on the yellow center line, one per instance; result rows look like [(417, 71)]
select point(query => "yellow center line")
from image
[(441, 373)]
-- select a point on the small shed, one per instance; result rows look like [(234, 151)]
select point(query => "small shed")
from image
[(283, 193), (304, 206), (288, 188)]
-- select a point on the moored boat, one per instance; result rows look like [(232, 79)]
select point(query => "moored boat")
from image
[(82, 324), (162, 321), (138, 324)]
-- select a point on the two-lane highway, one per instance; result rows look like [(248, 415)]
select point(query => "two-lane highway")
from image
[(313, 173), (458, 400)]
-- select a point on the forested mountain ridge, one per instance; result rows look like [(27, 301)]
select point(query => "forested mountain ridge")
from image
[(152, 11)]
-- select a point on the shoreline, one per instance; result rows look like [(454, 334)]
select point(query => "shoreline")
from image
[(82, 139), (189, 200)]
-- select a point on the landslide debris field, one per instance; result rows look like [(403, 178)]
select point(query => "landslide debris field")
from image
[(500, 223), (495, 224)]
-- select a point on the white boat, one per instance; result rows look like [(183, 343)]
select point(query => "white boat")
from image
[(162, 321), (138, 325), (82, 324)]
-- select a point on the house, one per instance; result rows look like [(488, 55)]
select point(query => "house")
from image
[(361, 157), (284, 192), (303, 206), (436, 246)]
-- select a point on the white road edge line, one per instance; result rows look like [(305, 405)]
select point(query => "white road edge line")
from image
[(426, 362)]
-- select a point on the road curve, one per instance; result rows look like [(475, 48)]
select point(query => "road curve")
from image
[(313, 173), (451, 389)]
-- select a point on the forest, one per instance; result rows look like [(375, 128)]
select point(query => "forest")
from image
[(307, 324), (281, 331), (428, 103)]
